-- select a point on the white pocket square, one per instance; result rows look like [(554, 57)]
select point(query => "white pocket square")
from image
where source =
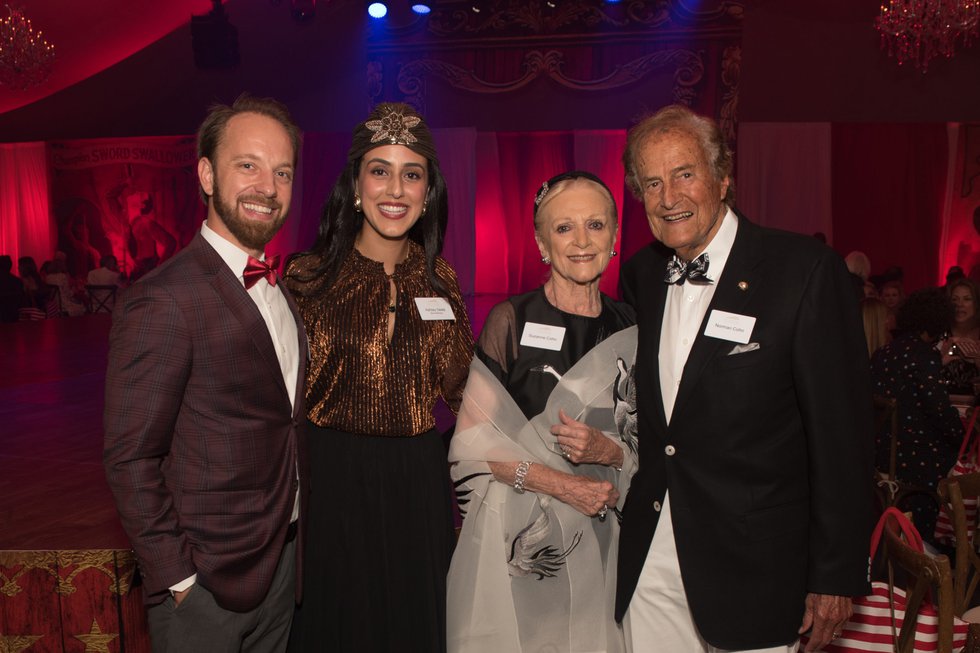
[(741, 349)]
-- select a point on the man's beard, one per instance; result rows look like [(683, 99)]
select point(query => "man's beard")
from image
[(251, 234)]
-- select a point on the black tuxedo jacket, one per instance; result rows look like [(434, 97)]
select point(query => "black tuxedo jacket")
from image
[(201, 442), (771, 464)]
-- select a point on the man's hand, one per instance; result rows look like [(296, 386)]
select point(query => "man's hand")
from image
[(824, 617)]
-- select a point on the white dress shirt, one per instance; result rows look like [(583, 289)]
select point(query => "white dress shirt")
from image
[(685, 309)]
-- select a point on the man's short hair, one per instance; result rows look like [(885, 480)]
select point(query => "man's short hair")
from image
[(211, 131), (678, 118)]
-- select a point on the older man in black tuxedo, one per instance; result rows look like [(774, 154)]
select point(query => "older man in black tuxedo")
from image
[(748, 521)]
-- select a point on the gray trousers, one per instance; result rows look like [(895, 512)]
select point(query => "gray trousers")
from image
[(199, 625)]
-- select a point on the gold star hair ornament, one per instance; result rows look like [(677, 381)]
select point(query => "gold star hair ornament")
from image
[(394, 128), (743, 285)]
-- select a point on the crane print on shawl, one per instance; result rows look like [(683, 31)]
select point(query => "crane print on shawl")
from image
[(531, 573)]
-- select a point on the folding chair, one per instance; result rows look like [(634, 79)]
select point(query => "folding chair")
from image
[(927, 580), (101, 299), (966, 569)]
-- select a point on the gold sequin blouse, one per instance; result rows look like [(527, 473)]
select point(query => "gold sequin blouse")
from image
[(358, 381)]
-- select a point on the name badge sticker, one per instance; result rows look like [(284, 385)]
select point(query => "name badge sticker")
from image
[(730, 326), (543, 336), (434, 308)]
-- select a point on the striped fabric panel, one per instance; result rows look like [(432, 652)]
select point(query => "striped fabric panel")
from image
[(869, 629)]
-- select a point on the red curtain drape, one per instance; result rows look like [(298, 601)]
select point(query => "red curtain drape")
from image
[(887, 190), (889, 186), (26, 220)]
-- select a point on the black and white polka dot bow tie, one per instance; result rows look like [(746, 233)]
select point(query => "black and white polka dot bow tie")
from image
[(696, 271)]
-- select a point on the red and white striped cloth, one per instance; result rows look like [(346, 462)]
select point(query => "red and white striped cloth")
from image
[(967, 462), (870, 627)]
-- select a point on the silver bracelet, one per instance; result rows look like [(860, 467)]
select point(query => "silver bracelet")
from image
[(520, 475)]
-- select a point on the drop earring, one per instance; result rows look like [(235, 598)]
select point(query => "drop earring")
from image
[(357, 202)]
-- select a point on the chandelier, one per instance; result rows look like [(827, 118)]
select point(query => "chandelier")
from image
[(918, 30), (25, 56)]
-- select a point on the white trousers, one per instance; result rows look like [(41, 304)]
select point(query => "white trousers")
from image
[(659, 619)]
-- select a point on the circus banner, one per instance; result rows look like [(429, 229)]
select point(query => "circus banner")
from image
[(134, 198)]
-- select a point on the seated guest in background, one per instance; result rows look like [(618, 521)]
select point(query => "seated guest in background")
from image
[(531, 491), (34, 291), (58, 276), (930, 429), (859, 265), (955, 272), (11, 291), (961, 350), (389, 336), (892, 295), (876, 330), (107, 274)]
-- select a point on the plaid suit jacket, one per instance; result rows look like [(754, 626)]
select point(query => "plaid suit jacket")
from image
[(201, 442)]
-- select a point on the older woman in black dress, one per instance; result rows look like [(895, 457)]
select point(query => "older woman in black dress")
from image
[(537, 455)]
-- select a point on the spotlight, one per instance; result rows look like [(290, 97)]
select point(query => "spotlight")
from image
[(304, 10), (377, 10), (421, 8)]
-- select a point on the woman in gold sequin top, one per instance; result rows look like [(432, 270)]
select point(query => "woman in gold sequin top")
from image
[(389, 335)]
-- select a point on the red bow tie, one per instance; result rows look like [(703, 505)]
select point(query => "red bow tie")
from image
[(256, 269)]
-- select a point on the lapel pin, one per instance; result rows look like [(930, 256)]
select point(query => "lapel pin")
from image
[(743, 285)]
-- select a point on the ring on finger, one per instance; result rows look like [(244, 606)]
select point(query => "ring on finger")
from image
[(602, 512)]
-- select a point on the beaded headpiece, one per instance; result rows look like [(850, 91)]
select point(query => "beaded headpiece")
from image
[(393, 123), (394, 128)]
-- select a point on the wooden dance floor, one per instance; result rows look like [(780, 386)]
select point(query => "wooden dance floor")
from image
[(66, 571)]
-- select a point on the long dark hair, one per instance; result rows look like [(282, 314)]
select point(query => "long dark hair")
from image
[(389, 124)]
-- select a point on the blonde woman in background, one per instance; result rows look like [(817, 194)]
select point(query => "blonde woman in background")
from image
[(875, 316)]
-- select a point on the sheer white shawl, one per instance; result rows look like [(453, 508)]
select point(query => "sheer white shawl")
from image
[(531, 574)]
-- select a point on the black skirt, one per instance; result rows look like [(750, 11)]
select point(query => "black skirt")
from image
[(379, 542)]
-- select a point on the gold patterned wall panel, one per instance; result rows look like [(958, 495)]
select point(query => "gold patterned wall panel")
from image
[(70, 601), (525, 65)]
